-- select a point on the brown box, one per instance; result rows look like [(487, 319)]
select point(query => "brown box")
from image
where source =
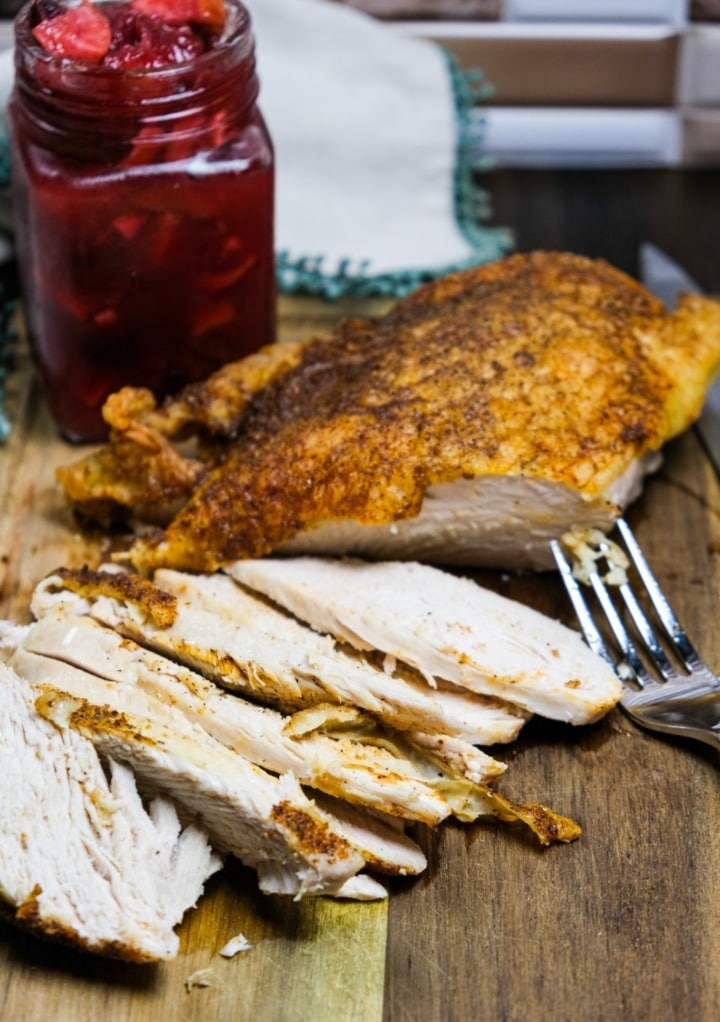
[(597, 66)]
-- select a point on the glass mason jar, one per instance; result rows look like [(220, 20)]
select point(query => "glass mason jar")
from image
[(143, 209)]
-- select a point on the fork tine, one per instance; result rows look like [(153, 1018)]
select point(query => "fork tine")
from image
[(592, 633), (631, 661), (673, 628), (630, 667), (646, 632), (642, 624)]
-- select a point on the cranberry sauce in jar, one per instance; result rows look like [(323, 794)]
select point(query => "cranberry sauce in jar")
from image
[(142, 177)]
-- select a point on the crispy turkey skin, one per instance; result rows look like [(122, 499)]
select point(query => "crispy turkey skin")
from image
[(483, 415)]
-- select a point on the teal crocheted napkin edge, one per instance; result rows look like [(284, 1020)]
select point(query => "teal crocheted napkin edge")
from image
[(472, 208)]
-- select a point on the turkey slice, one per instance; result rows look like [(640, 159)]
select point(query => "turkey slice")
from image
[(446, 627), (252, 792), (82, 859), (223, 651), (227, 634), (266, 821), (398, 696), (343, 754)]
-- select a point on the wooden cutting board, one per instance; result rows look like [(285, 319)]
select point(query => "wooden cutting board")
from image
[(623, 924)]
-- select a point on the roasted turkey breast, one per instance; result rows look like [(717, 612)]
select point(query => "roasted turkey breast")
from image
[(484, 414)]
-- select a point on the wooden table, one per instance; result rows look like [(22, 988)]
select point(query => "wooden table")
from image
[(622, 925)]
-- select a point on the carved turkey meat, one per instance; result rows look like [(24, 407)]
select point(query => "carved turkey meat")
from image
[(484, 414)]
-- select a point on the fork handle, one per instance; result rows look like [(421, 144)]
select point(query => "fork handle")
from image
[(700, 732)]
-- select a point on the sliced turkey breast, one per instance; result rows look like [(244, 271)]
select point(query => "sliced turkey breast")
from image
[(463, 767), (108, 698), (446, 627), (266, 821), (341, 753), (239, 640), (82, 859)]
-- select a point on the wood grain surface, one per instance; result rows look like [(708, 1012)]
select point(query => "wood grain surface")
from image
[(621, 925)]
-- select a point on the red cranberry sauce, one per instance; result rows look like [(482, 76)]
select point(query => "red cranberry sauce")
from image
[(144, 226)]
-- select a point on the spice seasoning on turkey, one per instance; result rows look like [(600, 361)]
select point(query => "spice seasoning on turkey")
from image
[(486, 413)]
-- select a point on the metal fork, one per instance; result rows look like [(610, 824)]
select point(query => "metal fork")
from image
[(675, 693)]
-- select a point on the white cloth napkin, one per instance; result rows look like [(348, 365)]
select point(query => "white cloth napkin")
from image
[(367, 130), (372, 184)]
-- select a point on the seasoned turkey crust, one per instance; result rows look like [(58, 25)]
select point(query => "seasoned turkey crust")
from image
[(548, 376)]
